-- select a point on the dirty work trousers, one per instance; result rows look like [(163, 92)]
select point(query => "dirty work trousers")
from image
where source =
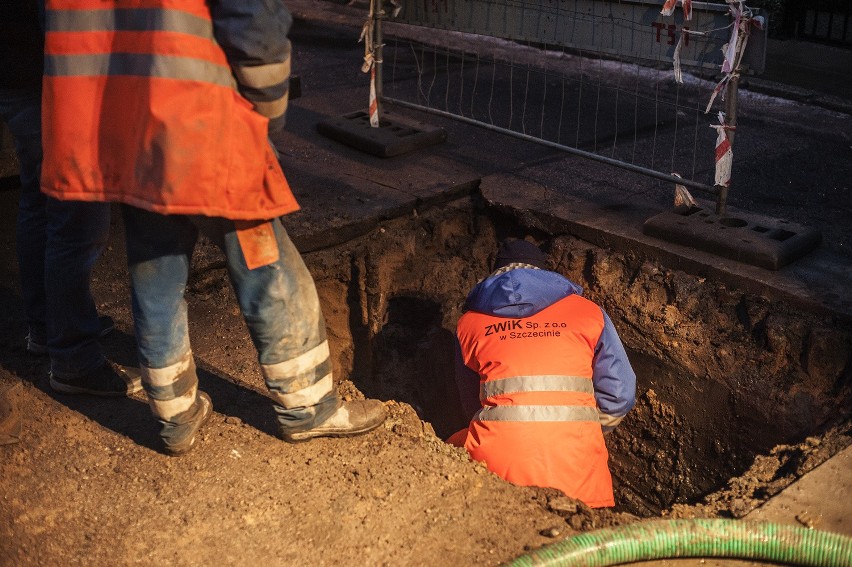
[(58, 243), (278, 301)]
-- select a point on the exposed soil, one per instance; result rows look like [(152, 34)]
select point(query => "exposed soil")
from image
[(739, 393), (86, 485)]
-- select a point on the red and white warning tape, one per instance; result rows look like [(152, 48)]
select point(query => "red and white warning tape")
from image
[(369, 64), (669, 8), (733, 51), (744, 20), (724, 152), (374, 104)]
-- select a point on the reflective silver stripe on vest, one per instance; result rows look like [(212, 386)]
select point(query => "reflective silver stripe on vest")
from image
[(136, 19), (537, 413), (138, 65), (539, 383)]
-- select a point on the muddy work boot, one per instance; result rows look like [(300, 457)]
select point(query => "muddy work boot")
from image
[(179, 438), (110, 380), (351, 418)]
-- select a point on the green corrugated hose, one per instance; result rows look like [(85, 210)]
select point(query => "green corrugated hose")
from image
[(672, 539)]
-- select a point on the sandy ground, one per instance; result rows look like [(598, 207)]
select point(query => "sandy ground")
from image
[(87, 485)]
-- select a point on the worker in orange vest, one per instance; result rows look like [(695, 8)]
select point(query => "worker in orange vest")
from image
[(169, 108), (543, 375)]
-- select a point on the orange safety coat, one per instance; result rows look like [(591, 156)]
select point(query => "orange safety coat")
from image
[(140, 107), (539, 424)]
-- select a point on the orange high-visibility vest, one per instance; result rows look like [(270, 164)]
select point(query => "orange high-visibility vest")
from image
[(539, 425), (140, 107)]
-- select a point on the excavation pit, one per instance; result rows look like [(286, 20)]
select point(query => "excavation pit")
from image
[(740, 393), (725, 377)]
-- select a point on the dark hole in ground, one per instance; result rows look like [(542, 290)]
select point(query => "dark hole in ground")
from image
[(413, 362), (690, 432), (681, 442)]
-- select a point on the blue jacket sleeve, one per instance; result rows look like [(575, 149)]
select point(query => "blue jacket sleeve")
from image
[(253, 36), (612, 377)]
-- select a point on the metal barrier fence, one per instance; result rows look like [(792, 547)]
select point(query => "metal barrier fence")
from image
[(590, 77), (824, 21)]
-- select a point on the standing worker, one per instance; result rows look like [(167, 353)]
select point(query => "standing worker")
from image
[(168, 108), (544, 375)]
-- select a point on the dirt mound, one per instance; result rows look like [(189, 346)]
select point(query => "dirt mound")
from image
[(87, 476)]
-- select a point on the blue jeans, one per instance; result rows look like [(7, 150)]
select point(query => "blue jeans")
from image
[(278, 301), (58, 243)]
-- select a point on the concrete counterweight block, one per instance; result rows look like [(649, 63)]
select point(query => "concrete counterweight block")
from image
[(752, 239), (395, 135)]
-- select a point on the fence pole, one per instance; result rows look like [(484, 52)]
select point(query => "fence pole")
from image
[(731, 121), (378, 15)]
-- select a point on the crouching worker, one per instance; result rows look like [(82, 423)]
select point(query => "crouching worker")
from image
[(168, 108), (544, 375)]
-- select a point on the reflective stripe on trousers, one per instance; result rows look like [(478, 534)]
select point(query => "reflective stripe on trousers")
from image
[(278, 302), (171, 390)]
